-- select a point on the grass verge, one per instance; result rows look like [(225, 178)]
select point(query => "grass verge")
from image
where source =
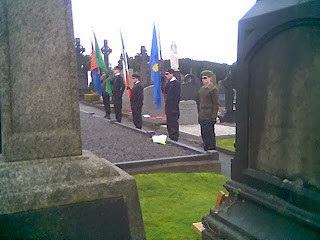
[(226, 143), (171, 202)]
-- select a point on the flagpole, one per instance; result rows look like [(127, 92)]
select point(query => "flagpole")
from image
[(125, 67), (163, 82)]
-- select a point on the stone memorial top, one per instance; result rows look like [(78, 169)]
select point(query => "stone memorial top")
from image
[(31, 86)]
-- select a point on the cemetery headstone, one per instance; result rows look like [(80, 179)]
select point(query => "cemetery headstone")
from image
[(190, 87), (144, 71), (149, 107), (49, 188), (188, 112), (275, 186), (82, 70), (106, 51)]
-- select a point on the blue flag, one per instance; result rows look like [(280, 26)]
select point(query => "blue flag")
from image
[(96, 78), (155, 69)]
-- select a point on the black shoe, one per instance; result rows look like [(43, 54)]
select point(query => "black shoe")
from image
[(107, 117)]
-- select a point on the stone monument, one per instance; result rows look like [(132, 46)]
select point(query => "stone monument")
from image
[(275, 186), (190, 87), (106, 51), (145, 72), (50, 189), (82, 70), (149, 106), (188, 112)]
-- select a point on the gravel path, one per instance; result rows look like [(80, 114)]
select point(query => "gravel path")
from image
[(119, 144)]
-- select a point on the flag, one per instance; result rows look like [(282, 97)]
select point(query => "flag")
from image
[(154, 69), (101, 64), (95, 73), (125, 67)]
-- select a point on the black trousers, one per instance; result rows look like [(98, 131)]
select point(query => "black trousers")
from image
[(137, 116), (208, 135), (117, 101), (173, 124), (106, 103)]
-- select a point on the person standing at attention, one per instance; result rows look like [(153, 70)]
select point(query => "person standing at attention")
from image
[(208, 106), (173, 92), (136, 101), (105, 95), (117, 92)]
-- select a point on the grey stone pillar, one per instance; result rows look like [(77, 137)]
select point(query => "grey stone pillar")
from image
[(39, 95), (49, 189)]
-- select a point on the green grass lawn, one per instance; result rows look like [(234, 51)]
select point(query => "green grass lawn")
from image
[(171, 202), (227, 143)]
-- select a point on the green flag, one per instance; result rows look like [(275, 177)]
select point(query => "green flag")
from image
[(102, 65)]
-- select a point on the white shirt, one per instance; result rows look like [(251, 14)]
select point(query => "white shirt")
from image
[(136, 82), (117, 74), (173, 79)]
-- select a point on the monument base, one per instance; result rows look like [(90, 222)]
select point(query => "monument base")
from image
[(285, 210), (80, 197)]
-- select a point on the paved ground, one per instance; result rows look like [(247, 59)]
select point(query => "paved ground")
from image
[(119, 144), (96, 142), (220, 130)]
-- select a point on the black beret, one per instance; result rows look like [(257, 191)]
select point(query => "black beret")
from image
[(135, 75)]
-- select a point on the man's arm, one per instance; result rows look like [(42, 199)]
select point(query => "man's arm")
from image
[(215, 103), (122, 86)]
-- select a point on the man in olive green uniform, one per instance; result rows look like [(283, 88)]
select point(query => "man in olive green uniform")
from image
[(208, 106)]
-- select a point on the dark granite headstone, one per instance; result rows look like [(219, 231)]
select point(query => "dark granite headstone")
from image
[(190, 87), (50, 188), (145, 72), (275, 187)]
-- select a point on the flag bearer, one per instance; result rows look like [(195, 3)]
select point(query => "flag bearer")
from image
[(173, 92), (137, 101), (105, 95), (117, 91)]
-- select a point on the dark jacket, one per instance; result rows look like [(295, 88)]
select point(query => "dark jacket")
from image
[(104, 84), (208, 102), (137, 95), (173, 93), (117, 85)]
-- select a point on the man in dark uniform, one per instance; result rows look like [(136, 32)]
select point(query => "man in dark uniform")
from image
[(173, 92), (117, 91), (208, 106), (105, 95), (137, 101)]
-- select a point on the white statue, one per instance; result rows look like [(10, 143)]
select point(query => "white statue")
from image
[(174, 61)]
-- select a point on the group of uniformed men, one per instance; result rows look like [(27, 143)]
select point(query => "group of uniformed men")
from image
[(207, 102)]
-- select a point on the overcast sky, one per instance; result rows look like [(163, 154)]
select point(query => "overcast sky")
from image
[(202, 29)]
